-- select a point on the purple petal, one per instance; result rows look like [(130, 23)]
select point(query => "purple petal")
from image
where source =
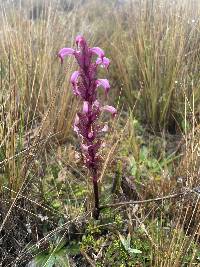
[(110, 109), (76, 91), (95, 110), (105, 128), (85, 107), (98, 51), (91, 150), (74, 77), (90, 134), (99, 61), (65, 52), (104, 83), (96, 104), (104, 62), (84, 147), (74, 81), (76, 122), (80, 41)]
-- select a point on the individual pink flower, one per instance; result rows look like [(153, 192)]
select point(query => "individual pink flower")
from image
[(103, 62), (65, 52), (98, 51), (74, 82), (85, 107), (104, 83), (110, 109)]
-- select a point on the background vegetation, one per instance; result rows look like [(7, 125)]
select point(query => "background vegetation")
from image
[(152, 149)]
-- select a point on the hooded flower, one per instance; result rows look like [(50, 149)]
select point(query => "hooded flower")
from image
[(74, 82), (103, 62), (98, 51), (104, 83), (110, 109), (65, 52)]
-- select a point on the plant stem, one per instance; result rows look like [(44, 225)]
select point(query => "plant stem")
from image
[(96, 198)]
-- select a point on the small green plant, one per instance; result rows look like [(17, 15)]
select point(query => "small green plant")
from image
[(126, 242), (56, 255), (148, 165)]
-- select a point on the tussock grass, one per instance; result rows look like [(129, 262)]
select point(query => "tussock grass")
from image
[(155, 49), (35, 94)]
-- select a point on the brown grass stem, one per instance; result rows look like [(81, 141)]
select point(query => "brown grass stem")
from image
[(145, 201)]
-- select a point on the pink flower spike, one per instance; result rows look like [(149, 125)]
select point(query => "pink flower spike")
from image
[(104, 83), (110, 109), (105, 62), (65, 52), (87, 123), (85, 107), (98, 51)]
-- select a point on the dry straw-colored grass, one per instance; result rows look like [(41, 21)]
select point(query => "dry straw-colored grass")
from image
[(36, 99), (154, 46)]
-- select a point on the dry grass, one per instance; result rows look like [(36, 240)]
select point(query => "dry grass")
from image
[(155, 49)]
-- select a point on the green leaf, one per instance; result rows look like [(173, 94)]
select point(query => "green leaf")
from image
[(134, 251), (133, 166), (60, 243), (50, 261), (73, 249), (43, 260), (143, 153), (124, 242), (62, 258), (129, 240), (56, 204), (185, 126), (55, 171)]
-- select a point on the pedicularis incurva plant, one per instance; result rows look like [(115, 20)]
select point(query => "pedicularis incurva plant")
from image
[(84, 84)]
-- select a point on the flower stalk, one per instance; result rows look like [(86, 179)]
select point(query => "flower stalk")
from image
[(85, 84)]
